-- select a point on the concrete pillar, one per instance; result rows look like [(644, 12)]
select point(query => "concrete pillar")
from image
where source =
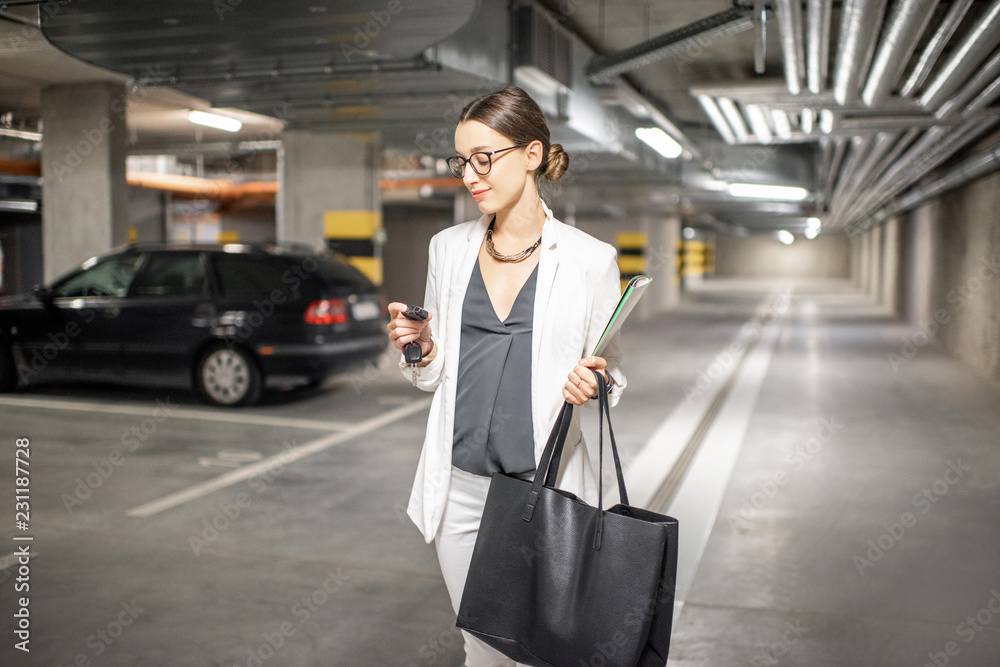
[(664, 293), (864, 261), (875, 271), (85, 194), (890, 266)]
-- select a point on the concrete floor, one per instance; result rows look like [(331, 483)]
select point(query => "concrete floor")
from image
[(308, 558)]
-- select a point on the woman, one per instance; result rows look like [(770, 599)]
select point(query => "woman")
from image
[(515, 298)]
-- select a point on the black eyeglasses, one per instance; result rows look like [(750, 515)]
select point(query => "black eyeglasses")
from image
[(481, 162)]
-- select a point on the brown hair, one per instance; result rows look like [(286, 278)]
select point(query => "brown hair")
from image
[(513, 113)]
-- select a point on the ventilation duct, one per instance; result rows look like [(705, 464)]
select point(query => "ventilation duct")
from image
[(542, 50)]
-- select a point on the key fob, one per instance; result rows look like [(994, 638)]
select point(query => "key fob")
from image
[(415, 313), (411, 351)]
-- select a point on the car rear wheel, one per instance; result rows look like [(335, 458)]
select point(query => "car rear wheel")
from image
[(8, 371), (228, 376)]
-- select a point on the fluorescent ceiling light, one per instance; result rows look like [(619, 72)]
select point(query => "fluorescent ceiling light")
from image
[(782, 125), (18, 205), (782, 192), (660, 141), (758, 122), (811, 232), (807, 120), (786, 237), (826, 121), (215, 120), (21, 134)]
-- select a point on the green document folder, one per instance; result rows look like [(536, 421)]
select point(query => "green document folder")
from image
[(630, 297)]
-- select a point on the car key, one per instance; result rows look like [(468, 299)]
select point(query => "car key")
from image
[(412, 352)]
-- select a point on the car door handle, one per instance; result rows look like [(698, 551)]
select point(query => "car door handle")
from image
[(111, 311)]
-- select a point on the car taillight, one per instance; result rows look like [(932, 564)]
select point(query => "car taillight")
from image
[(327, 311)]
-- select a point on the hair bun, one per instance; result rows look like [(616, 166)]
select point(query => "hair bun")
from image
[(556, 163)]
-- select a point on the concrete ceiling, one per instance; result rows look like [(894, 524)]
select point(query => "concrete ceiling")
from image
[(403, 68)]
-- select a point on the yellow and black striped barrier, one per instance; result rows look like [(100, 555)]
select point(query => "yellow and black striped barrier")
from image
[(356, 235), (697, 258), (631, 256)]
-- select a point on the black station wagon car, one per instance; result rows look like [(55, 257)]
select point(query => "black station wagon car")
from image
[(224, 319)]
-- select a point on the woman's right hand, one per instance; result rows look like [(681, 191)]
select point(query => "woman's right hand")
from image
[(403, 330)]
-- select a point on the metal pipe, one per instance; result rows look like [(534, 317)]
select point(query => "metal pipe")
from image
[(949, 148), (860, 21), (686, 40), (906, 24), (917, 167), (859, 150), (969, 91), (860, 176), (735, 118), (758, 122), (789, 14), (817, 62), (965, 58), (934, 48), (836, 160), (985, 98), (919, 150), (715, 115), (309, 72), (897, 149), (969, 170)]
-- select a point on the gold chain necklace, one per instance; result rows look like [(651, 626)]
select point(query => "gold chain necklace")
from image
[(508, 258)]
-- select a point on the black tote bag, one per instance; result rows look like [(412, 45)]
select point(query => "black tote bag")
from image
[(555, 582)]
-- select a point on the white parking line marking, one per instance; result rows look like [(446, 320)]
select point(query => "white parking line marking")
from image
[(282, 459), (183, 413)]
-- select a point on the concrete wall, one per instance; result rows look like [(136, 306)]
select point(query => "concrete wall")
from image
[(950, 273), (408, 231), (147, 214), (324, 172), (827, 256)]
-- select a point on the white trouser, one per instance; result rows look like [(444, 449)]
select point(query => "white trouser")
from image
[(455, 541)]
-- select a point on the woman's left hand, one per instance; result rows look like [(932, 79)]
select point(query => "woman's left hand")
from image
[(581, 385)]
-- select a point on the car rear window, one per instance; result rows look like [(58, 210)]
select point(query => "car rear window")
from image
[(334, 272), (170, 274), (242, 276)]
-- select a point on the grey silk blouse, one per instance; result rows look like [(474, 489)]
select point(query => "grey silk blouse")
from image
[(493, 428)]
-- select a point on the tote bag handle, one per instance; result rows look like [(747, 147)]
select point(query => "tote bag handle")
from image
[(548, 467)]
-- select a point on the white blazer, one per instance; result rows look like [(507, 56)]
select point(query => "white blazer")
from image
[(577, 289)]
